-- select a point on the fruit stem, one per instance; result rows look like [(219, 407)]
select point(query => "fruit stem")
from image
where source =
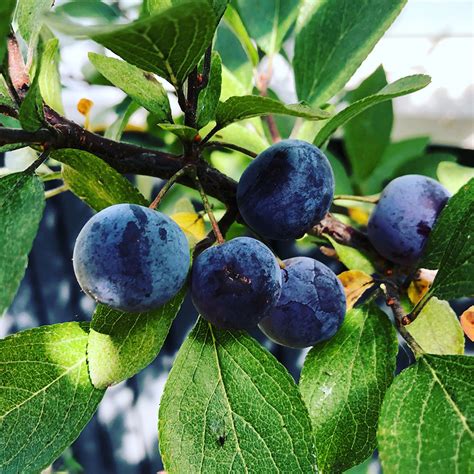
[(167, 186), (374, 199), (231, 146), (207, 207)]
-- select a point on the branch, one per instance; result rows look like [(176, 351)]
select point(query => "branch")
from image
[(16, 135)]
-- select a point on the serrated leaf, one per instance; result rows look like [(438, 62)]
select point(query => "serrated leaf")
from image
[(169, 43), (46, 397), (122, 344), (29, 15), (352, 258), (437, 330), (94, 181), (268, 21), (239, 108), (426, 423), (367, 135), (229, 406), (453, 176), (31, 110), (343, 383), (355, 283), (49, 78), (209, 97), (142, 87), (234, 21), (21, 209), (395, 156), (403, 86), (333, 37), (183, 132), (450, 247), (6, 11)]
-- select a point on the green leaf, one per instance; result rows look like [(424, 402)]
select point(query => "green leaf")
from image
[(268, 21), (94, 181), (21, 208), (122, 344), (352, 258), (437, 330), (115, 130), (367, 135), (343, 183), (426, 164), (142, 87), (333, 37), (46, 397), (450, 247), (234, 21), (426, 423), (169, 43), (89, 9), (343, 383), (154, 6), (5, 98), (6, 11), (183, 132), (403, 86), (209, 97), (244, 107), (229, 406), (29, 15), (31, 110), (394, 157), (49, 78), (453, 176)]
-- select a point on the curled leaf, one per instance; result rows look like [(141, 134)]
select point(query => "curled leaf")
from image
[(355, 283)]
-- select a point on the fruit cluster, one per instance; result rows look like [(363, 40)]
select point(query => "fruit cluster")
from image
[(135, 259)]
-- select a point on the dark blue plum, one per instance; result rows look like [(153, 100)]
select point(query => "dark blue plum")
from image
[(285, 190), (403, 218), (236, 283), (131, 258), (311, 307)]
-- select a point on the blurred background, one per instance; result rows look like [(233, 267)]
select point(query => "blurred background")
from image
[(433, 37)]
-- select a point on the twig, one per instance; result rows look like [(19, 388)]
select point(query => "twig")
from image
[(369, 199), (230, 146), (38, 162), (210, 135), (208, 208), (167, 186)]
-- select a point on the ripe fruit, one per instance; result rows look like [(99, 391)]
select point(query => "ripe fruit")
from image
[(131, 258), (404, 216), (311, 307), (236, 283), (285, 190)]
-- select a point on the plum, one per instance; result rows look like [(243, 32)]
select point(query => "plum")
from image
[(131, 258), (285, 190), (404, 216), (234, 284), (311, 307)]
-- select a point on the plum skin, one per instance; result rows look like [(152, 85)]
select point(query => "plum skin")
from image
[(311, 307), (131, 258), (404, 216), (234, 284), (288, 188)]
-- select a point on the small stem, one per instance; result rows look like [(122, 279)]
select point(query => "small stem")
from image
[(369, 199), (208, 208), (54, 192), (167, 186), (38, 162), (206, 69), (231, 146), (183, 103), (210, 135), (409, 318)]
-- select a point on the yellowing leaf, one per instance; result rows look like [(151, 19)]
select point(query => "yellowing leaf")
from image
[(418, 289), (467, 322), (359, 215), (355, 283), (191, 224)]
